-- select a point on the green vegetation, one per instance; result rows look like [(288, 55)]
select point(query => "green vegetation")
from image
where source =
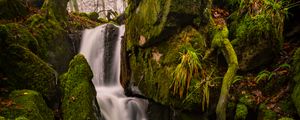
[(187, 70), (27, 104), (241, 112), (78, 91)]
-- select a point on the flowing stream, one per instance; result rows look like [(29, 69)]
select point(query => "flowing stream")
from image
[(102, 48)]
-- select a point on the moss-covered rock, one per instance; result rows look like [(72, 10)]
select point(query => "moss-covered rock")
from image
[(78, 91), (52, 39), (241, 112), (14, 33), (150, 21), (153, 70), (266, 114), (296, 73), (27, 104), (258, 32), (25, 70), (10, 9)]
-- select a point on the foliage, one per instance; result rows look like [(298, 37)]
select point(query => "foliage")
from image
[(241, 112), (264, 75), (186, 70)]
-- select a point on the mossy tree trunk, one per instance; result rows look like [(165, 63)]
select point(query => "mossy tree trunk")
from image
[(221, 41), (56, 8)]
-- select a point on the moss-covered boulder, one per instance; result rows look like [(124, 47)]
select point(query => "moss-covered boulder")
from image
[(257, 32), (25, 70), (27, 104), (14, 33), (150, 21), (296, 71), (53, 40), (154, 70), (78, 91)]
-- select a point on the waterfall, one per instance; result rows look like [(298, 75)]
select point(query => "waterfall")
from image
[(102, 48)]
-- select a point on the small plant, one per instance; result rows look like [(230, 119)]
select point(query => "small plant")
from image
[(236, 79), (264, 75), (186, 70)]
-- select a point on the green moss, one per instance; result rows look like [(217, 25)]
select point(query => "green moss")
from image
[(12, 9), (2, 118), (17, 34), (148, 20), (153, 67), (257, 33), (52, 38), (78, 90), (286, 118), (241, 112), (29, 104), (296, 71), (94, 16), (21, 118), (248, 100), (25, 70), (296, 64), (265, 113)]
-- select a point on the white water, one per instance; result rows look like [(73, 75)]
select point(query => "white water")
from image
[(114, 105)]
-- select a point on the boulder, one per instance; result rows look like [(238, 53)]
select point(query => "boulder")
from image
[(27, 105), (25, 70), (78, 91)]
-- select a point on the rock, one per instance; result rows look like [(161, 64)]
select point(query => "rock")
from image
[(14, 33), (157, 20), (53, 40), (78, 91), (25, 70), (241, 112), (296, 73), (257, 36), (27, 105), (153, 69)]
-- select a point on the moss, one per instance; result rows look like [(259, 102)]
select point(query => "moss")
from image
[(11, 9), (21, 118), (241, 112), (94, 16), (78, 90), (29, 104), (153, 67), (17, 34), (296, 71), (25, 70), (296, 64), (265, 113), (286, 118), (52, 38), (148, 19), (258, 33), (248, 100)]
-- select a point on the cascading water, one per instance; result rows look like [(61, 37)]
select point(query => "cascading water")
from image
[(102, 49)]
